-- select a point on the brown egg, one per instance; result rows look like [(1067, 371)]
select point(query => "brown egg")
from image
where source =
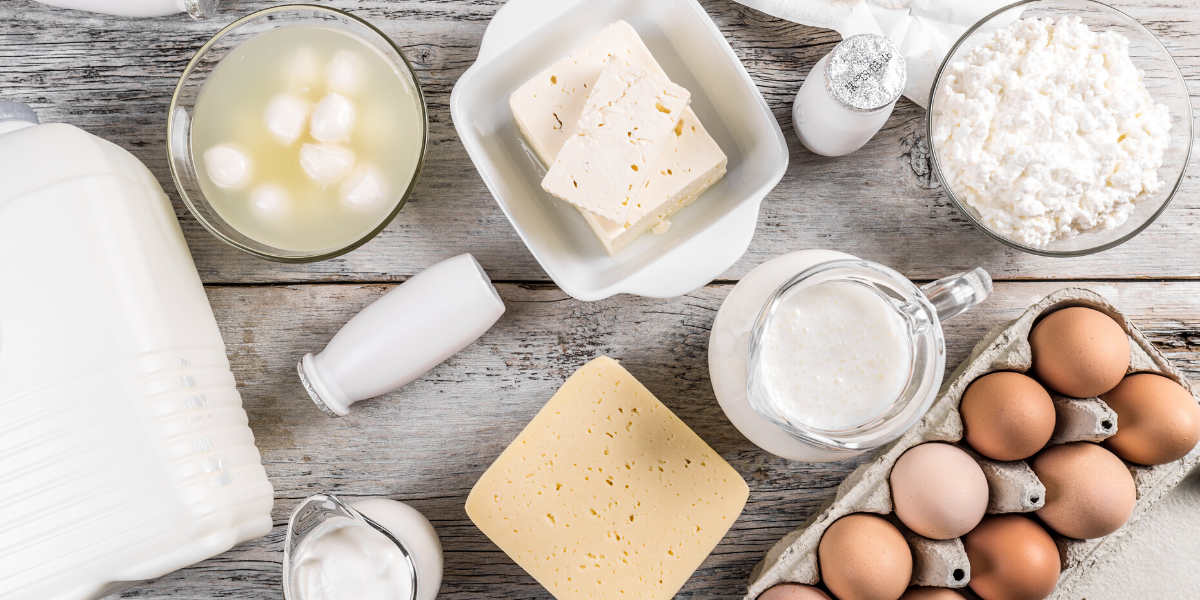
[(938, 491), (1158, 420), (1012, 558), (864, 557), (1079, 352), (1089, 491), (1008, 416), (928, 593), (793, 591)]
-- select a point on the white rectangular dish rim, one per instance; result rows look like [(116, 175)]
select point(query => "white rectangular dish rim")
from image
[(707, 237)]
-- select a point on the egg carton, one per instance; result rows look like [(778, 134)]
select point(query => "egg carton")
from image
[(1014, 488)]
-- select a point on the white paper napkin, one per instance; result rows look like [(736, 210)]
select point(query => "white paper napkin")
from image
[(923, 30)]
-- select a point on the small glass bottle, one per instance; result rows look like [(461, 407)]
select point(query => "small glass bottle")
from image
[(849, 95)]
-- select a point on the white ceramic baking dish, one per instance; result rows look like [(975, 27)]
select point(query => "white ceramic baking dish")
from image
[(707, 237)]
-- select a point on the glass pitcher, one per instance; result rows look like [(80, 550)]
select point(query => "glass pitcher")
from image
[(315, 514), (920, 312)]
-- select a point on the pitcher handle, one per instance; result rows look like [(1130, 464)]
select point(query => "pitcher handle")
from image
[(954, 295)]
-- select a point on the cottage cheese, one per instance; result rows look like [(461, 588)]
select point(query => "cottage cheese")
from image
[(1048, 131)]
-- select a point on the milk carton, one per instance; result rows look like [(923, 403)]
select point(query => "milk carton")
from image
[(124, 449)]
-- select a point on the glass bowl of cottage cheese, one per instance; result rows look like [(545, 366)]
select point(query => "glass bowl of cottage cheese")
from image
[(1060, 127)]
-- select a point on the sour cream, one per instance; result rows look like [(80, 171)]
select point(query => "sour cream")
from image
[(346, 558)]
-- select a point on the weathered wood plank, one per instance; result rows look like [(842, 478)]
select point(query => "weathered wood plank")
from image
[(115, 77), (428, 443)]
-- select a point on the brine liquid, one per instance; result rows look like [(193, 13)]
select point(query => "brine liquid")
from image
[(306, 216)]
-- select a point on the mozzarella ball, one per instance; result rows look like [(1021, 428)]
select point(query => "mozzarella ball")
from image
[(326, 164), (270, 202), (345, 72), (227, 166), (286, 115), (302, 71), (365, 188), (333, 119)]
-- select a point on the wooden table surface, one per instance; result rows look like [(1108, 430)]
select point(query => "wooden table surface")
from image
[(428, 443)]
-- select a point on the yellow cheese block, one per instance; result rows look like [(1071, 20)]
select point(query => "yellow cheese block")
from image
[(606, 493)]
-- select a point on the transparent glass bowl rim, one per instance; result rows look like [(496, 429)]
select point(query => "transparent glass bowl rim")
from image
[(937, 167), (905, 413), (352, 513), (189, 71)]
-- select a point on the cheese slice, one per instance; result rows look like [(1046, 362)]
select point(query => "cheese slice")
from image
[(626, 124), (606, 493), (682, 178), (548, 108)]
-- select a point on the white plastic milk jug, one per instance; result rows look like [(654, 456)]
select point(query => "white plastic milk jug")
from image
[(140, 8), (124, 449)]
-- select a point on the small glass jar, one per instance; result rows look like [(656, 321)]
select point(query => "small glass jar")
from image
[(849, 95), (416, 542)]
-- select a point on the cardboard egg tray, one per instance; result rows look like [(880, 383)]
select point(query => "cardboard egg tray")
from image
[(1014, 488)]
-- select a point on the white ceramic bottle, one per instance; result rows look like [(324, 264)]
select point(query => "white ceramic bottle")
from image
[(124, 448), (403, 335), (140, 8)]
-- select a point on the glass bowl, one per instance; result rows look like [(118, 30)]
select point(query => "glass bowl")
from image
[(1163, 79), (183, 103)]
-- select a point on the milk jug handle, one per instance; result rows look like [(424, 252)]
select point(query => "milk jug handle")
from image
[(954, 295)]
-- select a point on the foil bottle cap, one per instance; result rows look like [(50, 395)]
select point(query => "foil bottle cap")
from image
[(866, 72)]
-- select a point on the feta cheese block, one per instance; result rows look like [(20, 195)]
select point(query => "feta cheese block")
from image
[(605, 167), (683, 175), (549, 106), (606, 493)]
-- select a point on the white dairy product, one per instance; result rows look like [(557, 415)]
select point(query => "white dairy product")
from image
[(124, 449), (548, 107), (227, 165), (286, 116), (303, 70), (326, 163), (345, 72), (273, 97), (333, 118), (729, 351), (270, 202), (140, 8), (839, 353), (1048, 130), (605, 168), (365, 187), (347, 559)]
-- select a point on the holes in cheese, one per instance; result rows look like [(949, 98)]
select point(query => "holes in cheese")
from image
[(631, 506)]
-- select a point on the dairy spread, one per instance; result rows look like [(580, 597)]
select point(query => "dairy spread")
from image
[(1048, 130)]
